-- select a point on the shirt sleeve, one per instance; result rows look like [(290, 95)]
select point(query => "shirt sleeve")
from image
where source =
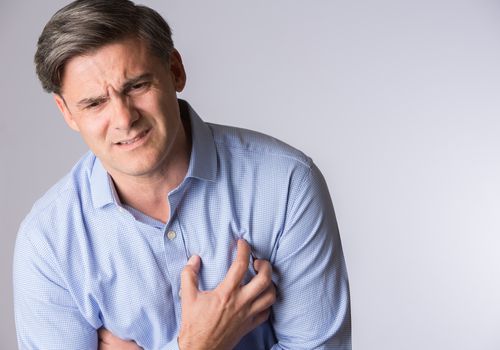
[(312, 310), (45, 313)]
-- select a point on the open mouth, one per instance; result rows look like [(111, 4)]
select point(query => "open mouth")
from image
[(134, 140)]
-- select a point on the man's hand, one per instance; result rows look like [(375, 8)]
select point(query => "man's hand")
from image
[(107, 341), (218, 319)]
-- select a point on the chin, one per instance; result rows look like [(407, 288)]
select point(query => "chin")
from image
[(132, 167), (137, 164), (139, 171)]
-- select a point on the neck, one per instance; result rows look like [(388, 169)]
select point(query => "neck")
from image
[(149, 193)]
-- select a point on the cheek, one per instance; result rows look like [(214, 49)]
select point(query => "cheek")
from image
[(147, 105), (94, 132)]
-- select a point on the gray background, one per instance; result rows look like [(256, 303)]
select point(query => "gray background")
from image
[(396, 101)]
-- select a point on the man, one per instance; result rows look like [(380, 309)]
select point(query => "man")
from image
[(162, 234)]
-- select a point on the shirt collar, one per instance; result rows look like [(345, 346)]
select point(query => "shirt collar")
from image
[(101, 186), (203, 160), (202, 163)]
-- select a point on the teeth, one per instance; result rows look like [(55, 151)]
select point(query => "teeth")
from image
[(133, 140), (129, 142)]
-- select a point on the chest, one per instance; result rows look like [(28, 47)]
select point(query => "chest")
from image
[(131, 279)]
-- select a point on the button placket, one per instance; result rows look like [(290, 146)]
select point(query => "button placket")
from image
[(171, 235), (175, 259)]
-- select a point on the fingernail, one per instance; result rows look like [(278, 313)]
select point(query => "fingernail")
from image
[(193, 260)]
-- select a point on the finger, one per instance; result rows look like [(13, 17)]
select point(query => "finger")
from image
[(264, 301), (189, 279), (262, 266), (103, 346), (260, 282), (259, 319), (104, 335), (108, 340), (239, 267)]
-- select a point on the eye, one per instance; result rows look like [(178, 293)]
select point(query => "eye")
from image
[(139, 86), (93, 105)]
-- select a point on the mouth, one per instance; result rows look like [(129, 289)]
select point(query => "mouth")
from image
[(135, 141)]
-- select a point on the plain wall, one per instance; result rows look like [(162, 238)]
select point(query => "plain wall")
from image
[(396, 101)]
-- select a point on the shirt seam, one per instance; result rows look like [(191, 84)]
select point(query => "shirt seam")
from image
[(261, 150), (289, 213), (34, 215), (300, 190)]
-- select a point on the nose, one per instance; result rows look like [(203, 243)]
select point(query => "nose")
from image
[(123, 112)]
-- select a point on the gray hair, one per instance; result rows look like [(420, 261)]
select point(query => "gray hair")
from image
[(84, 26)]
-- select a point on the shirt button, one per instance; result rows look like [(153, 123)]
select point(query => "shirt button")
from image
[(171, 235)]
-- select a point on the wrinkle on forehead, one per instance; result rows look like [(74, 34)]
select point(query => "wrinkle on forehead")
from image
[(109, 67)]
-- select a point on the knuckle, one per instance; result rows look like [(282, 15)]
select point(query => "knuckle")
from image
[(223, 295), (271, 291), (262, 317), (103, 333), (272, 298), (266, 279), (268, 298), (262, 284), (264, 263), (257, 263), (265, 269)]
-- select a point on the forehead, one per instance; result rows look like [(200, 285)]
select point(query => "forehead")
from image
[(109, 65)]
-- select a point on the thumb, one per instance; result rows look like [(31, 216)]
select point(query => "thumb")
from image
[(189, 279)]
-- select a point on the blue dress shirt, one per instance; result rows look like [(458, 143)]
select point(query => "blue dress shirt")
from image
[(83, 260)]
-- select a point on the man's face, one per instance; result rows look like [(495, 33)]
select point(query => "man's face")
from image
[(122, 100)]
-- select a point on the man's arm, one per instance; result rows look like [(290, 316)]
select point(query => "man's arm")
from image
[(47, 317), (217, 319), (45, 313), (312, 310), (108, 341)]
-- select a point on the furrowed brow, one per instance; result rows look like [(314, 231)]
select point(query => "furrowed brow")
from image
[(90, 100), (125, 88), (128, 84)]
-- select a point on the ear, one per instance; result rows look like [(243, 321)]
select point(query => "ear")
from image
[(177, 70), (68, 117)]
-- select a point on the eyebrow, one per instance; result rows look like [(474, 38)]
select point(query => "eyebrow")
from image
[(124, 89), (90, 100), (131, 82)]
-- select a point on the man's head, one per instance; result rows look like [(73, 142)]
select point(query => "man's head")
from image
[(115, 74), (86, 25)]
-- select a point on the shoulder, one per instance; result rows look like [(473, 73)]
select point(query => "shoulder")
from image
[(61, 198), (256, 145)]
